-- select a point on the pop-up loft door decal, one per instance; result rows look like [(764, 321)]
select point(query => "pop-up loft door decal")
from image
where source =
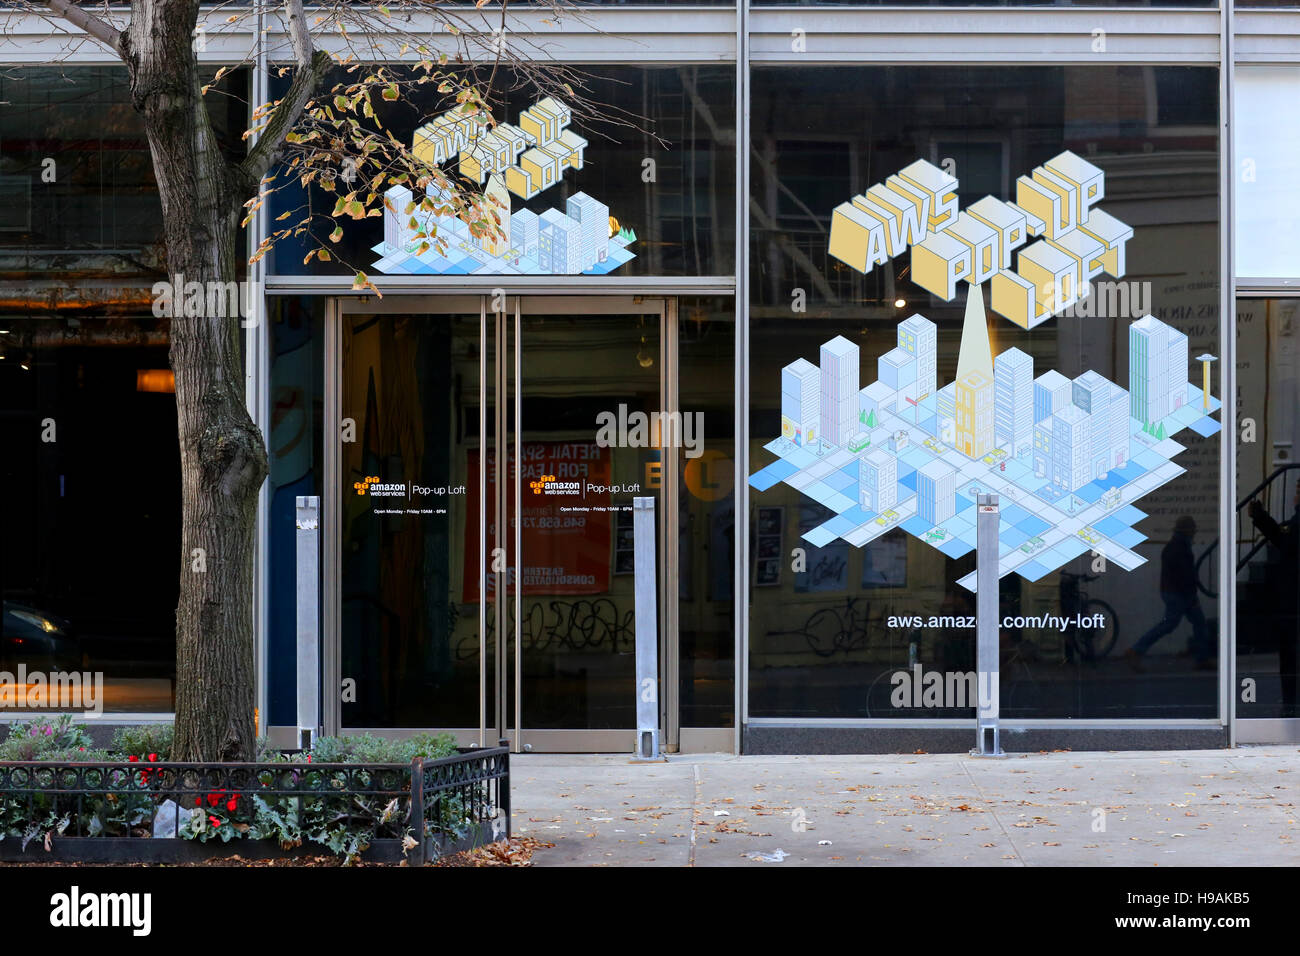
[(1068, 457), (522, 161)]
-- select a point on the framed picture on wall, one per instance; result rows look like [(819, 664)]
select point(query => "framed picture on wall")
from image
[(768, 532)]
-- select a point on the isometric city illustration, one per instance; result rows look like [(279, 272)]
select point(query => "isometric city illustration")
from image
[(522, 160), (1068, 457)]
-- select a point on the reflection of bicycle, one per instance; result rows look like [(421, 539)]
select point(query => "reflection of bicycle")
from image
[(1091, 643)]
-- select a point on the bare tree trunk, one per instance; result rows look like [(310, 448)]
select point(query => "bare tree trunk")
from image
[(223, 457)]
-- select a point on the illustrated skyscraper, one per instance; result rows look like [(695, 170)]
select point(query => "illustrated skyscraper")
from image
[(1052, 392), (1177, 370), (936, 491), (976, 402), (1013, 385), (877, 480), (560, 243), (524, 226), (1093, 395), (593, 218), (839, 390), (919, 338), (800, 394), (1071, 448), (1119, 430), (974, 393), (398, 234), (498, 201), (1148, 370)]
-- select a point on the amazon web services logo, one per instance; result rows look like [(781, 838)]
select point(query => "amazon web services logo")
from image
[(548, 485), (371, 485)]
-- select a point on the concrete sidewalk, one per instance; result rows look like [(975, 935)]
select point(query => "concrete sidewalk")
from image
[(1219, 808)]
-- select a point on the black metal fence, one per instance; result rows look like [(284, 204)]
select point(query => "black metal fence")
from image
[(124, 811)]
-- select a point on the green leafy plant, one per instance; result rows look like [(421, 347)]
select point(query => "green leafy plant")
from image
[(33, 739), (143, 740)]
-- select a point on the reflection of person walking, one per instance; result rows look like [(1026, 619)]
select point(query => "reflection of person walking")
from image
[(1286, 538), (1178, 591)]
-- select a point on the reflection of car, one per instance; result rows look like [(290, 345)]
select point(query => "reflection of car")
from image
[(38, 639), (1088, 535), (933, 445), (887, 517), (993, 457)]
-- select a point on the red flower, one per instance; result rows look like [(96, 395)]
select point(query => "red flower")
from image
[(153, 756), (309, 758), (198, 801), (233, 804), (216, 822), (133, 758), (213, 799)]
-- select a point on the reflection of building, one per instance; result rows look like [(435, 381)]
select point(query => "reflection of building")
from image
[(1157, 369), (877, 480), (800, 391), (918, 337), (936, 492), (1013, 387), (839, 390), (975, 414)]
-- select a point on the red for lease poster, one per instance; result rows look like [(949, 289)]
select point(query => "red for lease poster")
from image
[(566, 518)]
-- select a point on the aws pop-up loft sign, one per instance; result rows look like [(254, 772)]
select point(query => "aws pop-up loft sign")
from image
[(916, 208)]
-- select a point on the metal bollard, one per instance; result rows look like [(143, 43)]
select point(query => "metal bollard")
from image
[(647, 631), (308, 606), (988, 678)]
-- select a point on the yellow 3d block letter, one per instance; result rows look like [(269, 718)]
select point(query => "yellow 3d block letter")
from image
[(939, 262), (857, 238)]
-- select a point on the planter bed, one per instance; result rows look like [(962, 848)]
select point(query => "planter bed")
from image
[(106, 811)]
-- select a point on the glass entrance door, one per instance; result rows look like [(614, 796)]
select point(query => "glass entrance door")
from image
[(588, 386), (453, 411)]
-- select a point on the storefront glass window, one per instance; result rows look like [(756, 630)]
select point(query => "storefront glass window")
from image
[(1267, 516), (645, 187), (294, 453), (77, 193), (707, 548), (887, 390), (90, 490)]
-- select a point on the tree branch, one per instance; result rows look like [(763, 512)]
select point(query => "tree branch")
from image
[(102, 31), (270, 141), (298, 35)]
